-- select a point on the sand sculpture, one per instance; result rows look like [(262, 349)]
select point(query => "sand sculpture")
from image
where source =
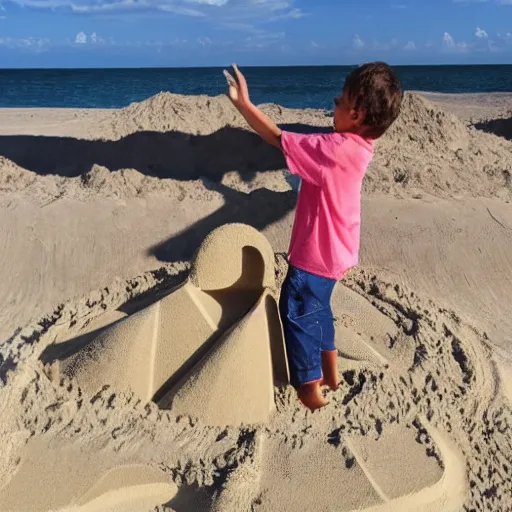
[(216, 335)]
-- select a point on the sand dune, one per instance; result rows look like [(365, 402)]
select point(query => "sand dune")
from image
[(422, 419)]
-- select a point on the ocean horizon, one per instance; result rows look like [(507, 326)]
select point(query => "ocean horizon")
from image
[(289, 86)]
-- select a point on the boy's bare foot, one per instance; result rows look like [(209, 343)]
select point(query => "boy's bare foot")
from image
[(330, 369), (311, 396)]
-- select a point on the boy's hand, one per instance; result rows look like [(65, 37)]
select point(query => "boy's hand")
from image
[(238, 91)]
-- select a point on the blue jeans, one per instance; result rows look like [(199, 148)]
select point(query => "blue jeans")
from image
[(308, 323)]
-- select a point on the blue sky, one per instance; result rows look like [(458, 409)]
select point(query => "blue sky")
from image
[(84, 33)]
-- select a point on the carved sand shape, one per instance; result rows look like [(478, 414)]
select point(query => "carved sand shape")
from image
[(362, 474), (391, 476), (213, 348), (59, 476)]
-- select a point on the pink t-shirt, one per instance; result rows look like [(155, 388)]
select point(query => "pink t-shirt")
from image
[(326, 231)]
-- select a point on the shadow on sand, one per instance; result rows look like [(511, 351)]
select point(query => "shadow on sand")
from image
[(175, 155), (500, 127)]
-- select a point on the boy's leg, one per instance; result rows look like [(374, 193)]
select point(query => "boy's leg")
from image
[(301, 331), (302, 307), (328, 333), (329, 352)]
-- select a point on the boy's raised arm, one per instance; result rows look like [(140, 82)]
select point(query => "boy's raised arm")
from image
[(239, 95), (261, 124)]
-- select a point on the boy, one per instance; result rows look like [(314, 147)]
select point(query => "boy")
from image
[(326, 231)]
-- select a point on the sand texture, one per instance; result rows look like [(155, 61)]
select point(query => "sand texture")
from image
[(142, 365)]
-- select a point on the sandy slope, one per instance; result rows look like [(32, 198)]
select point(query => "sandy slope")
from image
[(423, 324)]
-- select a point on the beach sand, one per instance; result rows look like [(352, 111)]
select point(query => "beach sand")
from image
[(102, 214)]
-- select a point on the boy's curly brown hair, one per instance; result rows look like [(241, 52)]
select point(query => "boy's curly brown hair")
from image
[(376, 91)]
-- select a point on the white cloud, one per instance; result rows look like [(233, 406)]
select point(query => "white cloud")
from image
[(293, 14), (81, 38), (467, 2), (29, 43), (449, 44), (217, 10), (204, 41), (411, 45), (357, 42), (481, 33), (265, 39), (493, 47), (385, 46), (448, 40), (381, 46)]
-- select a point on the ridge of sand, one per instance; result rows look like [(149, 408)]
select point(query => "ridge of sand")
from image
[(184, 141), (193, 115), (475, 108)]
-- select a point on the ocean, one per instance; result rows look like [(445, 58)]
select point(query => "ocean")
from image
[(299, 87)]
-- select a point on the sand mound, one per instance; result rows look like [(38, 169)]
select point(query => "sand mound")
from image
[(193, 115), (193, 339), (184, 140), (99, 181), (426, 151), (167, 112), (431, 152)]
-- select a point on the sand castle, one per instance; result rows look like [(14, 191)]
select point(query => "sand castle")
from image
[(216, 335)]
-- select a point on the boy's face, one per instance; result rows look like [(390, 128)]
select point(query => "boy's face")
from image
[(346, 118)]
